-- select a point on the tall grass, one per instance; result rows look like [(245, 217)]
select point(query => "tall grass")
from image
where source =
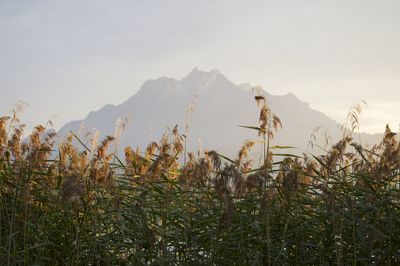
[(71, 205)]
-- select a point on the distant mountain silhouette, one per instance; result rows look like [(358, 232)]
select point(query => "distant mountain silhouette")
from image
[(220, 107)]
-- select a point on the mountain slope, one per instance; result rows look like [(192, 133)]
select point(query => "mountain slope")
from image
[(220, 107)]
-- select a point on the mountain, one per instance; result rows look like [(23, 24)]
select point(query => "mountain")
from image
[(220, 107)]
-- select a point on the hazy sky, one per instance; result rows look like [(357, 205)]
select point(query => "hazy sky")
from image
[(66, 58)]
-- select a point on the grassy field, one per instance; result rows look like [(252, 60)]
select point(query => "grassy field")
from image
[(70, 204)]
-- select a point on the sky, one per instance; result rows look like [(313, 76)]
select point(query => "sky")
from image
[(67, 58)]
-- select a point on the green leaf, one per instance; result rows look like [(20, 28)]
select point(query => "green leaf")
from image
[(251, 127), (226, 158)]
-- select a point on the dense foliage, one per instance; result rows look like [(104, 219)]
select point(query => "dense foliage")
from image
[(79, 204)]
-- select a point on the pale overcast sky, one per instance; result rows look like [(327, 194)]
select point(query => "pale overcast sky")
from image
[(66, 58)]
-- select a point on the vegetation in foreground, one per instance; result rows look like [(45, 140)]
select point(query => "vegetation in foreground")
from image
[(82, 205)]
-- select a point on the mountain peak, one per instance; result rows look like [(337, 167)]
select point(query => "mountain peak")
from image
[(196, 70), (200, 75), (220, 106)]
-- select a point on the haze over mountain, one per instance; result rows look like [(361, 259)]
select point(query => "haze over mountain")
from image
[(213, 107)]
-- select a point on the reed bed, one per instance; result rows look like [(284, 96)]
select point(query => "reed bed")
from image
[(69, 204)]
